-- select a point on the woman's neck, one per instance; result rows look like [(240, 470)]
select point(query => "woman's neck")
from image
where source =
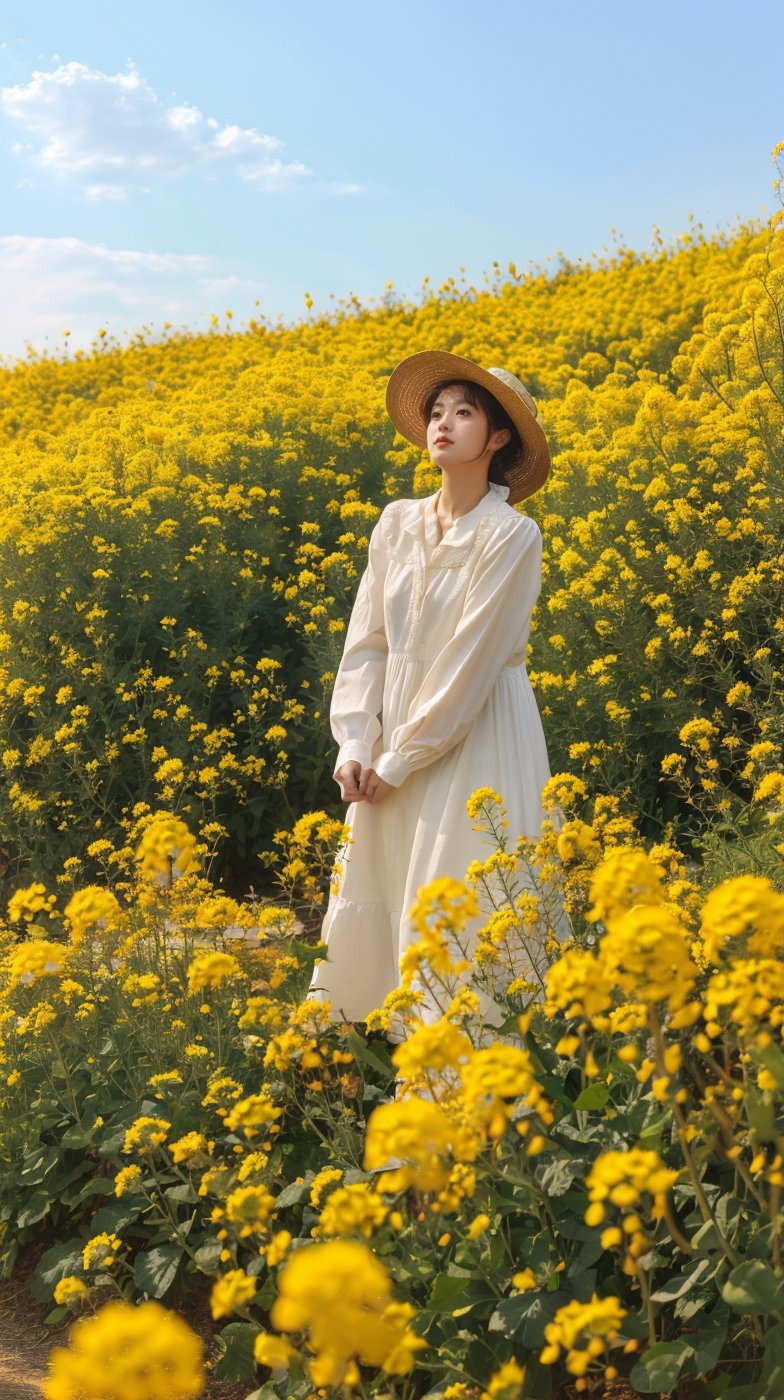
[(459, 494)]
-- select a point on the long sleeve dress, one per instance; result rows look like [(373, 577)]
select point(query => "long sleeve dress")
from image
[(433, 692)]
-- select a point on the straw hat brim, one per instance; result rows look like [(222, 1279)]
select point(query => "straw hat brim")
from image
[(416, 376)]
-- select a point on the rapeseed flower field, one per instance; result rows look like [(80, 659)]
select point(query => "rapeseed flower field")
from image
[(216, 1183)]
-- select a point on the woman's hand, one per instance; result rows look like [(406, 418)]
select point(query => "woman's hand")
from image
[(375, 788), (358, 784), (348, 776)]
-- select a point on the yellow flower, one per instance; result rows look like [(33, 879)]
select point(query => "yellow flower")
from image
[(145, 1134), (219, 911), (576, 841), (627, 1179), (222, 1091), (166, 846), (71, 1291), (478, 1226), (28, 903), (748, 993), (352, 1210), (166, 1077), (212, 968), (284, 1049), (89, 907), (645, 954), (191, 1145), (321, 1181), (231, 1292), (250, 1207), (248, 1114), (626, 877), (741, 917), (340, 1295), (252, 1165), (442, 907), (275, 1352), (460, 1186), (419, 1133), (431, 1047), (573, 984), (599, 1319), (127, 1181), (278, 1248), (494, 1079), (101, 1251), (125, 1353), (36, 958), (506, 1383), (481, 798)]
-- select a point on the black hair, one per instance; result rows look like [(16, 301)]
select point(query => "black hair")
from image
[(497, 417)]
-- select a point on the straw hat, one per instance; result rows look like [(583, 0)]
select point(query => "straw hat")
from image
[(414, 378)]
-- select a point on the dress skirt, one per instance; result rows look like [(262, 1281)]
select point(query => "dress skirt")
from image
[(422, 831)]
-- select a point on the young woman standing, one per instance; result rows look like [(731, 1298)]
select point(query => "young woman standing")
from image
[(432, 699)]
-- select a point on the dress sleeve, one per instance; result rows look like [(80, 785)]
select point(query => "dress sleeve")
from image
[(358, 692), (500, 599)]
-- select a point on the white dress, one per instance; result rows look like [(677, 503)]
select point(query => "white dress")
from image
[(433, 692)]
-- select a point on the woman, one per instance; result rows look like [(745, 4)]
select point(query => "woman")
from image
[(432, 699)]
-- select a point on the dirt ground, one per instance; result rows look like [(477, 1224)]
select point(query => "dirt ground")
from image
[(25, 1344)]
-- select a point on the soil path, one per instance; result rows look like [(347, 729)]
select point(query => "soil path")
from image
[(24, 1347)]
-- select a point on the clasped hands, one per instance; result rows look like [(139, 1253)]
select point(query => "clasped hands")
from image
[(358, 784)]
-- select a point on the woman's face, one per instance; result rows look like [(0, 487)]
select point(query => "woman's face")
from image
[(457, 430)]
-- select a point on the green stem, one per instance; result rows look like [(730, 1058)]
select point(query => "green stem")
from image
[(650, 1310)]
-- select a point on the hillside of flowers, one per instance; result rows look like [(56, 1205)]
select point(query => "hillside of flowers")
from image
[(182, 525), (208, 1184)]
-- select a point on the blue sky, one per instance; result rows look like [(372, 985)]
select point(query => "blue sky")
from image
[(172, 160)]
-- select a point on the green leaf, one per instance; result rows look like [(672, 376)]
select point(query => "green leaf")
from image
[(708, 1346), (56, 1315), (595, 1096), (113, 1218), (524, 1317), (761, 1114), (753, 1288), (676, 1287), (446, 1292), (660, 1367), (154, 1270), (77, 1136), (38, 1164), (772, 1378), (97, 1186), (183, 1192), (305, 953), (556, 1177), (237, 1362), (554, 1089), (772, 1057), (38, 1205), (649, 1134), (366, 1054), (207, 1257), (58, 1262), (294, 1194)]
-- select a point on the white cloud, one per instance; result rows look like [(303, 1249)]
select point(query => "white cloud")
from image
[(56, 284), (113, 134), (346, 187)]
